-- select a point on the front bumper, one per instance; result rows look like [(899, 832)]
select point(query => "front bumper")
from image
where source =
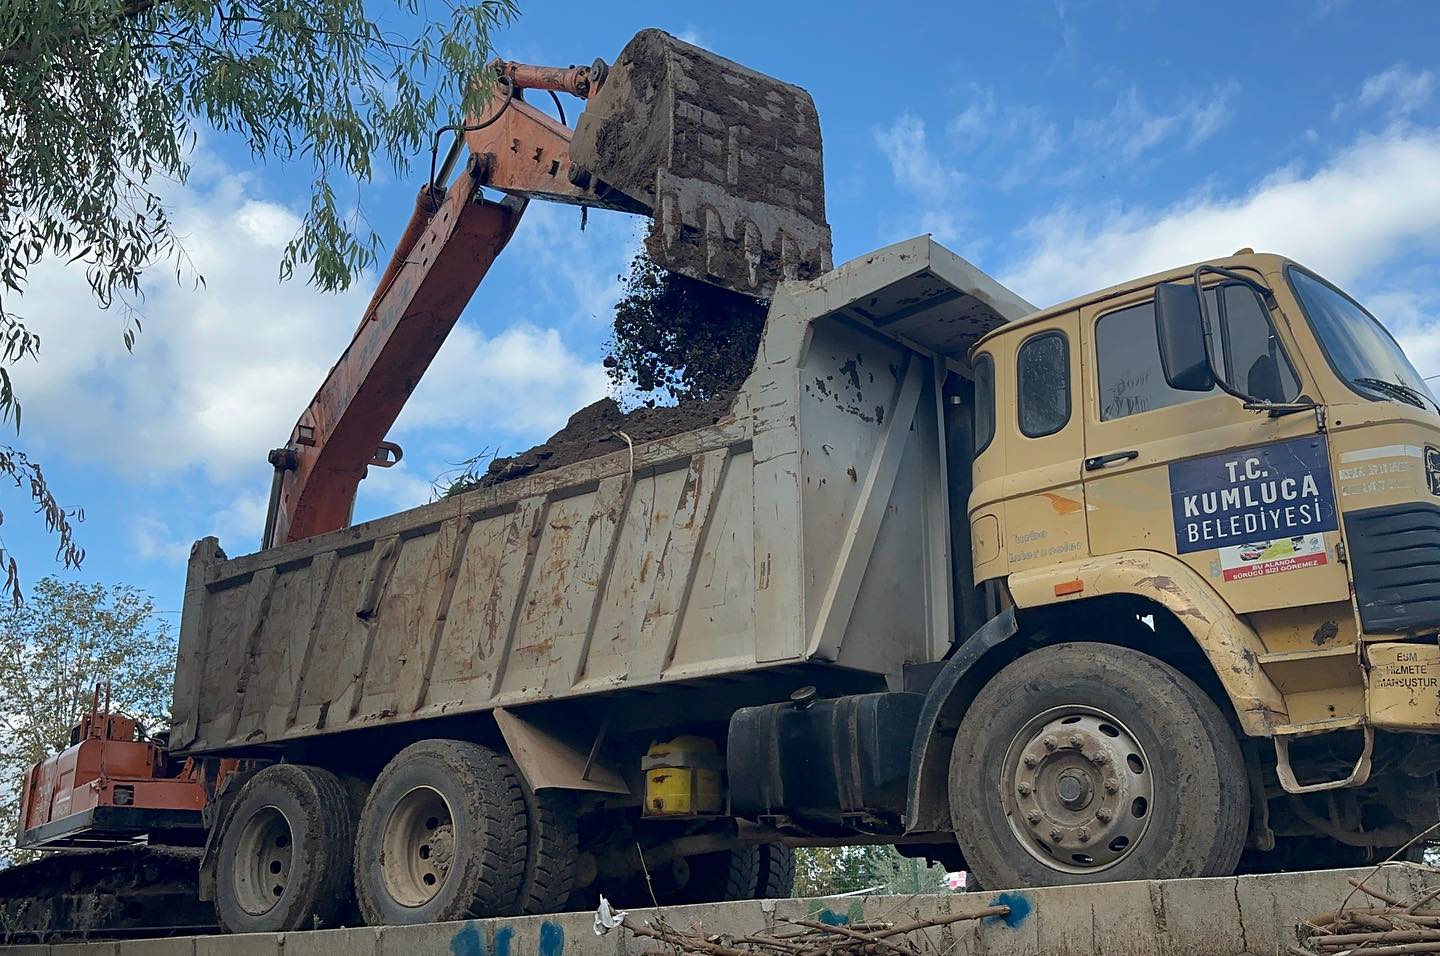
[(1404, 686)]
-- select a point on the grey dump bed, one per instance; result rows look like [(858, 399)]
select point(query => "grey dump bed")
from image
[(812, 524)]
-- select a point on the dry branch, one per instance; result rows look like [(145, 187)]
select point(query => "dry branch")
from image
[(812, 939)]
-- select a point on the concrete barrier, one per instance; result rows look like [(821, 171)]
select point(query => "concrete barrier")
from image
[(1227, 916)]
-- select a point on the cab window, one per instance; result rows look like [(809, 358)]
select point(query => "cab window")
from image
[(1247, 352), (1043, 376), (984, 402), (1250, 355)]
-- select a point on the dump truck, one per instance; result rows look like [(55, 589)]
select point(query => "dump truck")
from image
[(1141, 585)]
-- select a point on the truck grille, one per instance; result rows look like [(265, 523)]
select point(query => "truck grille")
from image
[(1395, 557)]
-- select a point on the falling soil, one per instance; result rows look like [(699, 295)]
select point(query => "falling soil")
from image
[(675, 338), (681, 337)]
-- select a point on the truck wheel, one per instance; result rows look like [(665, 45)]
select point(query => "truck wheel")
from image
[(442, 837), (716, 877), (1083, 763), (284, 853), (777, 872), (551, 850)]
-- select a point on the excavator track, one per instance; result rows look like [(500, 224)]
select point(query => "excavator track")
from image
[(112, 893)]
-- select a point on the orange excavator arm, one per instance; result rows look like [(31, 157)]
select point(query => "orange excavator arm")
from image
[(449, 244), (726, 160)]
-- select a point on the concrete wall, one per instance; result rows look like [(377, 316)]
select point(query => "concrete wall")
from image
[(1228, 916)]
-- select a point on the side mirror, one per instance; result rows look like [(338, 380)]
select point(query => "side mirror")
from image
[(1181, 332)]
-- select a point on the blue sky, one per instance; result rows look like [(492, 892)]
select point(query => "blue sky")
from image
[(1061, 146)]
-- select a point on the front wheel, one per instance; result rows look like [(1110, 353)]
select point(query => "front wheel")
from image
[(1087, 763)]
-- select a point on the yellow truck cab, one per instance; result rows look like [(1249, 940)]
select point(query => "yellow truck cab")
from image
[(1245, 485)]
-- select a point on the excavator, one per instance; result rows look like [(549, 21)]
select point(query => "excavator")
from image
[(727, 164)]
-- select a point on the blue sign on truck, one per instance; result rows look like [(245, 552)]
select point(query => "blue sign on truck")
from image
[(1266, 508)]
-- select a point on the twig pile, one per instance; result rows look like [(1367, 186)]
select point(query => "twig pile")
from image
[(798, 937), (1397, 928)]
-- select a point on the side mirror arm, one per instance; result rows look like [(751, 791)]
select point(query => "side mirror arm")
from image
[(1207, 329)]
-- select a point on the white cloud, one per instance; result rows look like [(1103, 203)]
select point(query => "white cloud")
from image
[(152, 540), (221, 371), (523, 380), (985, 122), (576, 273), (1132, 129), (1372, 200), (243, 520), (920, 172), (692, 35), (387, 490), (1397, 92), (1413, 317)]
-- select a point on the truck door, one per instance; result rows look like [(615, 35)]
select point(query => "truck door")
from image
[(1244, 498), (1044, 499)]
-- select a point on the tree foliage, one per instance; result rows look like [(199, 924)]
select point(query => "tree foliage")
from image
[(101, 103), (54, 649), (827, 871)]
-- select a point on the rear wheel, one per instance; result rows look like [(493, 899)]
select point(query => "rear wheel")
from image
[(442, 837), (551, 851), (777, 872), (732, 874), (283, 861), (1083, 763)]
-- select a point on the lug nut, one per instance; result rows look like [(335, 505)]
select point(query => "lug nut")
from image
[(1023, 789), (1050, 743), (1030, 762), (1112, 785), (1103, 815), (1055, 834), (1084, 834), (1074, 740), (1033, 817), (1100, 759)]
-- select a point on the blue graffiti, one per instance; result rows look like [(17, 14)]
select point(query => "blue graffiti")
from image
[(552, 939), (1019, 908), (831, 918), (468, 942), (503, 935)]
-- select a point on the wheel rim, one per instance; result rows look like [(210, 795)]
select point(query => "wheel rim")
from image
[(1077, 789), (264, 850), (417, 847)]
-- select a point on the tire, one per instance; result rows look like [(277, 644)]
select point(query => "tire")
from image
[(284, 857), (732, 874), (442, 837), (1171, 778), (776, 879), (551, 850)]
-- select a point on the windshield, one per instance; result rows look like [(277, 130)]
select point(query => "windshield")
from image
[(1358, 346)]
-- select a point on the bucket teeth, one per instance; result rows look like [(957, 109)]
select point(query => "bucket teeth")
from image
[(728, 160)]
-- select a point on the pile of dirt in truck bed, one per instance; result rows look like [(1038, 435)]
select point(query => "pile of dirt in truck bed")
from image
[(675, 338), (596, 430)]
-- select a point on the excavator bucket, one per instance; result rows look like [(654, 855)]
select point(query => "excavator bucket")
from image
[(728, 159)]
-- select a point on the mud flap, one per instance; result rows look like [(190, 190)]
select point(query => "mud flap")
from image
[(729, 160)]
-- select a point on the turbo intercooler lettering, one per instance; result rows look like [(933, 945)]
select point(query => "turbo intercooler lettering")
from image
[(1266, 508)]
